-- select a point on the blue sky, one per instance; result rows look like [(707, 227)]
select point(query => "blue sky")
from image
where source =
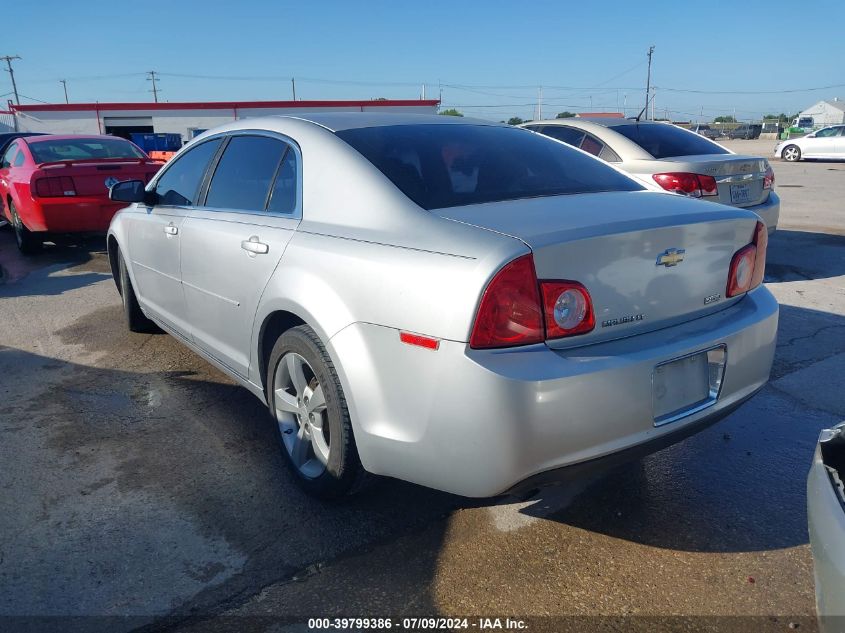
[(488, 57)]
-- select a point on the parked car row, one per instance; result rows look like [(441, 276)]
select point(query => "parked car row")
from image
[(676, 159)]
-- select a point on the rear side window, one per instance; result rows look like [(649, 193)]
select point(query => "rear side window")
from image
[(82, 149), (245, 172), (180, 183), (568, 135), (439, 166), (283, 196), (667, 141)]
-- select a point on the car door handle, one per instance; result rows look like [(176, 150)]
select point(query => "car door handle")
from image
[(254, 247), (171, 229)]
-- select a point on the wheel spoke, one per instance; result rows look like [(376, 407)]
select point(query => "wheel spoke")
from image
[(316, 401), (321, 448), (299, 449), (286, 402), (297, 376)]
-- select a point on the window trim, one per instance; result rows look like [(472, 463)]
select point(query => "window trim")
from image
[(227, 136)]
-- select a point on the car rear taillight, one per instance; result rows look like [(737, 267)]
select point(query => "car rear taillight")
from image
[(512, 311), (694, 185), (55, 187), (749, 264), (567, 307), (769, 178)]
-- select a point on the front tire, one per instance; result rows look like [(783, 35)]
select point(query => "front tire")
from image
[(136, 321), (312, 421), (27, 241), (791, 153)]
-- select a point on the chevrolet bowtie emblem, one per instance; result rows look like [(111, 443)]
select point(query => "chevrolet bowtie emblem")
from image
[(671, 257)]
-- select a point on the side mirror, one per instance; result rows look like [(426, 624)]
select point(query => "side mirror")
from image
[(128, 191)]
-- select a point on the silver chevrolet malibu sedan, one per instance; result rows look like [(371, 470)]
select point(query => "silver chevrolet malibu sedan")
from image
[(456, 303)]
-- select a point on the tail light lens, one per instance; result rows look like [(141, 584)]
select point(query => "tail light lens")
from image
[(55, 187), (512, 311), (769, 178), (568, 308), (749, 264), (694, 185)]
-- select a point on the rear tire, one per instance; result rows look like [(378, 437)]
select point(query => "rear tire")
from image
[(791, 153), (311, 418), (27, 241), (136, 321)]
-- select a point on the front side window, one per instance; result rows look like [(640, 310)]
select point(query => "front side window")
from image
[(825, 133), (19, 159), (52, 151), (180, 183), (6, 161), (663, 140), (245, 172), (439, 166)]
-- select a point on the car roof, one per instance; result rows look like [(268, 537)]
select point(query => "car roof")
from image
[(339, 121)]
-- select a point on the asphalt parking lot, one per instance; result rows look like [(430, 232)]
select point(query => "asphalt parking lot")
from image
[(139, 481)]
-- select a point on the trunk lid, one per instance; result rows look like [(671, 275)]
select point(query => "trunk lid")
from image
[(611, 243), (739, 178), (90, 177)]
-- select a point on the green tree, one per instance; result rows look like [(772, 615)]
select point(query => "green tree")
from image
[(565, 115), (451, 112), (515, 120), (724, 119)]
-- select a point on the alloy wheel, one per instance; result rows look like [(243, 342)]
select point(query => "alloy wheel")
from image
[(791, 153), (302, 416)]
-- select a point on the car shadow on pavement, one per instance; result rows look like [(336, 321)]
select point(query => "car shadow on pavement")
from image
[(803, 255), (68, 264), (151, 485), (738, 486)]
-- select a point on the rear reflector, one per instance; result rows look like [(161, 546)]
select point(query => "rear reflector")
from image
[(419, 340), (694, 185), (55, 187)]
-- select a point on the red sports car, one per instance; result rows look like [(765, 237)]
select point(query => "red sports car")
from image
[(60, 184)]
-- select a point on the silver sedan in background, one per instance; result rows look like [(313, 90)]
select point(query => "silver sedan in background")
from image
[(675, 159), (457, 303)]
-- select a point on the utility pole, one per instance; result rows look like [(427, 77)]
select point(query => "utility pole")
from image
[(9, 59), (423, 92), (540, 103), (648, 81), (64, 85), (293, 87), (152, 77)]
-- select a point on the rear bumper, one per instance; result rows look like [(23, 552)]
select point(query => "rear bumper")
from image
[(479, 422), (79, 214), (769, 211), (826, 519)]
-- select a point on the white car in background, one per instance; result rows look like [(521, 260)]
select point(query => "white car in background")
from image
[(828, 142), (675, 159)]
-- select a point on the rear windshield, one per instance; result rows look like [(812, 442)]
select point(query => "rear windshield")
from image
[(82, 149), (439, 166), (667, 141)]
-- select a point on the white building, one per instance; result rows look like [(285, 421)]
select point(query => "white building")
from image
[(822, 114), (186, 119)]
